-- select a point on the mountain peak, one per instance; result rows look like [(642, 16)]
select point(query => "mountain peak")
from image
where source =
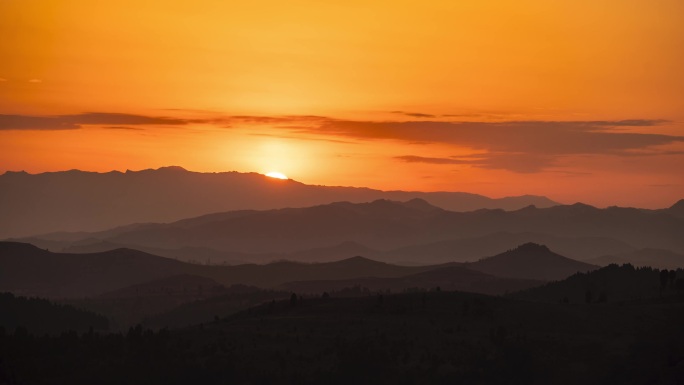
[(679, 205), (172, 168), (21, 172), (359, 260), (420, 204), (531, 246), (580, 205), (14, 247), (531, 261)]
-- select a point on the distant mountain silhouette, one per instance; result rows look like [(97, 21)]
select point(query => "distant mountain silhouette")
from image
[(201, 255), (183, 284), (28, 270), (530, 261), (676, 210), (453, 250), (78, 200), (655, 258), (472, 249), (391, 227)]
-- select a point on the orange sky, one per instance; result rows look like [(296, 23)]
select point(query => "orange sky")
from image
[(576, 100)]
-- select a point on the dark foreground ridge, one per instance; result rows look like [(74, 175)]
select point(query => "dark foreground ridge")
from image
[(414, 338)]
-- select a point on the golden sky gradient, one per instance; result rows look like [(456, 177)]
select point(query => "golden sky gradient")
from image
[(576, 100)]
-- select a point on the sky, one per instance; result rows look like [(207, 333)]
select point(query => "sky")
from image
[(574, 100)]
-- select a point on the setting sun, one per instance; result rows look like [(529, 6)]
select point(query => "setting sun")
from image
[(277, 175)]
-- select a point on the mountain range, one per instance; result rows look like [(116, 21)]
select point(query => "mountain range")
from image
[(28, 270), (87, 201), (411, 232)]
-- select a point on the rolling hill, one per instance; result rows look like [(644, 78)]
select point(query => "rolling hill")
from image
[(40, 316), (530, 261), (472, 249), (449, 278), (655, 258), (28, 270)]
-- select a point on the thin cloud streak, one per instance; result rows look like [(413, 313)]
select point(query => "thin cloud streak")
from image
[(72, 122)]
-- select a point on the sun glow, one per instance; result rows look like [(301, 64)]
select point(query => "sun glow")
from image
[(276, 174)]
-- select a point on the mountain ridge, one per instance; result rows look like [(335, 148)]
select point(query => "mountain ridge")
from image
[(77, 200), (530, 261), (29, 270)]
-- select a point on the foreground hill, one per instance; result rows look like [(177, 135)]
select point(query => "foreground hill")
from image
[(175, 301), (611, 283), (40, 316), (415, 338), (656, 258), (450, 278), (78, 200), (530, 261)]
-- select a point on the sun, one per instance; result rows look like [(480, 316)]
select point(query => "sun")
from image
[(276, 174)]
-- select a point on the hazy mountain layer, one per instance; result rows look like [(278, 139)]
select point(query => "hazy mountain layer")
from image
[(126, 273), (394, 229), (86, 201), (28, 270)]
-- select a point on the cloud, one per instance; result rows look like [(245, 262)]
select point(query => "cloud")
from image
[(21, 122), (519, 146), (422, 159), (76, 121), (516, 162), (521, 163), (414, 114), (123, 119), (283, 119), (35, 81), (124, 128), (529, 137)]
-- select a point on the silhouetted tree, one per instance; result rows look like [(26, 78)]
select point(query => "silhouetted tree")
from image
[(673, 277), (293, 299), (664, 277), (588, 296), (325, 295)]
